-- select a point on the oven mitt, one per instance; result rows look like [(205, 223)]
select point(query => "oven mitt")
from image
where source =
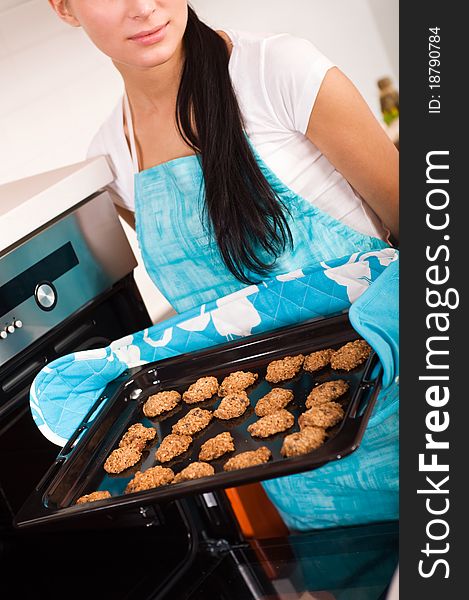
[(375, 316)]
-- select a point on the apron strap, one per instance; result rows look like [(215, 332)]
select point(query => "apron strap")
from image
[(130, 129)]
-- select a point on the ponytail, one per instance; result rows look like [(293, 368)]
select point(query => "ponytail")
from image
[(245, 215)]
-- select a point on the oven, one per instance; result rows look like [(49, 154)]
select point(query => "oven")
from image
[(70, 287), (65, 288)]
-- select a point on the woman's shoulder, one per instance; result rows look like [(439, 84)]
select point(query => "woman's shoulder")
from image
[(109, 135), (279, 44), (278, 75), (275, 59)]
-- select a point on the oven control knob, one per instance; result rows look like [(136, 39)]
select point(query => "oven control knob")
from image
[(46, 296), (3, 334), (18, 324), (11, 329)]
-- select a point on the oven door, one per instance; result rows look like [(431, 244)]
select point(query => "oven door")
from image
[(345, 563)]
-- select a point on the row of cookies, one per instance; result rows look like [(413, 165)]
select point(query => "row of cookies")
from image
[(347, 357), (212, 449), (203, 389), (158, 475)]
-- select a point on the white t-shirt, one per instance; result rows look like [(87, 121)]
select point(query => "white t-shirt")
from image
[(276, 78)]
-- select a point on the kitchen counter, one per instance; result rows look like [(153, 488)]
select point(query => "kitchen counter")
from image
[(23, 204)]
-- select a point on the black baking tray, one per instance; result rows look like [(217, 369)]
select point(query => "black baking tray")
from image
[(78, 469)]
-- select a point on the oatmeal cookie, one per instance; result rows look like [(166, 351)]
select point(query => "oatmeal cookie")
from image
[(149, 479), (237, 382), (276, 399), (171, 446), (232, 406), (251, 458), (203, 389), (137, 436), (283, 369), (160, 403), (281, 420), (351, 355), (326, 392), (195, 420), (194, 471), (318, 360), (302, 442), (324, 415), (93, 497), (217, 446), (121, 459)]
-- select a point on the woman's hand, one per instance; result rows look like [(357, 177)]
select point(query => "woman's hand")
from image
[(345, 130)]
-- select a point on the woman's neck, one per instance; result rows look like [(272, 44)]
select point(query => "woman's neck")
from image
[(149, 89)]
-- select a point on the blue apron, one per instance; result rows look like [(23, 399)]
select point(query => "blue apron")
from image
[(182, 257), (183, 261)]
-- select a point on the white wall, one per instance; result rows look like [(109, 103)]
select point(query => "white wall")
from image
[(56, 88), (4, 4), (386, 15), (345, 30)]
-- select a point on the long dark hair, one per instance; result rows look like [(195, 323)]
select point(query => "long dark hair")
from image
[(245, 215)]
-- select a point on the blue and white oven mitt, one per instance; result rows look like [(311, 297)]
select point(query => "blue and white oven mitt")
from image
[(364, 283)]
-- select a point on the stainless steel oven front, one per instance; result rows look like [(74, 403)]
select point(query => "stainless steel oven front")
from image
[(67, 287)]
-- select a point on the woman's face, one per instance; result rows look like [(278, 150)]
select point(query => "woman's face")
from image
[(118, 27)]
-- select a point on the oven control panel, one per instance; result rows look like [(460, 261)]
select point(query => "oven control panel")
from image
[(10, 328), (58, 270)]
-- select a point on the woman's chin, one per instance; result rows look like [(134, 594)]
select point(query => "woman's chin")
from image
[(148, 59), (155, 55)]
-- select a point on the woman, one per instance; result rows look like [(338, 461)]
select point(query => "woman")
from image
[(300, 113), (242, 156)]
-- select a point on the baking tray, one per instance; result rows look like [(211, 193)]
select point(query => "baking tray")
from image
[(78, 469)]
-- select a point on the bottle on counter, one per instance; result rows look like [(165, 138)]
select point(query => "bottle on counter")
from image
[(389, 100)]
